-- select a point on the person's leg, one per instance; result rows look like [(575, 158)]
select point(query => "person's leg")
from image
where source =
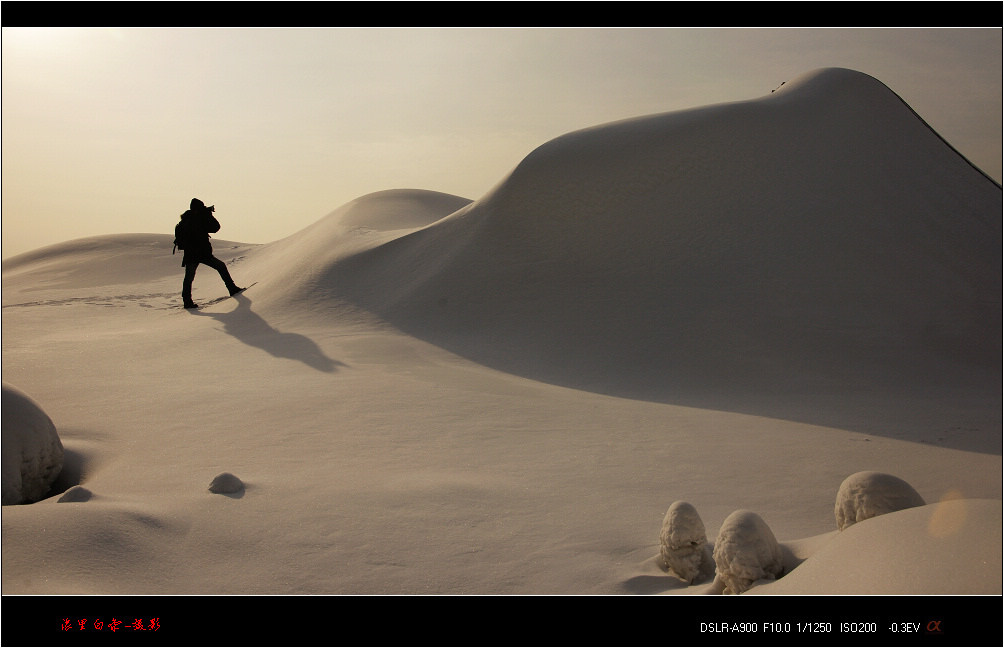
[(221, 267), (186, 287)]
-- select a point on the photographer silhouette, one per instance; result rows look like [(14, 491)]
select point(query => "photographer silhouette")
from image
[(192, 236)]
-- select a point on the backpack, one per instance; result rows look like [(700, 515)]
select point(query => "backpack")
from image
[(182, 234)]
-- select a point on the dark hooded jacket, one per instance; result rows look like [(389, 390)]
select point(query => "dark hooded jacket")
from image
[(199, 224)]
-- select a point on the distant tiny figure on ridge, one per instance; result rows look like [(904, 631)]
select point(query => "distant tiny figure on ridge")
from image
[(191, 235)]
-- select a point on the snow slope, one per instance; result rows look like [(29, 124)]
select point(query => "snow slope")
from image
[(737, 306), (737, 256)]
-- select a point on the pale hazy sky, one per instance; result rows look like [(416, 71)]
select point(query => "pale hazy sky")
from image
[(114, 130)]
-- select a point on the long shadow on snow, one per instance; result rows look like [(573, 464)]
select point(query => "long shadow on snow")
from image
[(249, 327)]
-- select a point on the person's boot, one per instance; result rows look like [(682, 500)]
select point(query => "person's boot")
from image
[(190, 304), (234, 289)]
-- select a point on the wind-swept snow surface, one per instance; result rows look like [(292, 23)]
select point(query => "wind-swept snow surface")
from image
[(734, 306)]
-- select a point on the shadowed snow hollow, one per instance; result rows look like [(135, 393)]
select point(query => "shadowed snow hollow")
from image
[(820, 235)]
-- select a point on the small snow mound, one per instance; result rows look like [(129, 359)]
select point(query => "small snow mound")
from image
[(683, 543), (746, 551), (866, 494), (399, 209), (75, 494), (226, 483), (32, 452)]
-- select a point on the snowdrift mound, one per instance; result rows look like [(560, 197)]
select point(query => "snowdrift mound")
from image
[(292, 271), (96, 261), (952, 547), (286, 271), (868, 494), (32, 451), (817, 236), (114, 269), (397, 209)]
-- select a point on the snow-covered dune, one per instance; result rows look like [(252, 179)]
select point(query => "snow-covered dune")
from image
[(294, 269), (820, 234), (909, 551), (735, 306)]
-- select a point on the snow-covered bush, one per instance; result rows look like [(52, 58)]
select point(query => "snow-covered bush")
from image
[(866, 494), (683, 543), (32, 452), (746, 551)]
